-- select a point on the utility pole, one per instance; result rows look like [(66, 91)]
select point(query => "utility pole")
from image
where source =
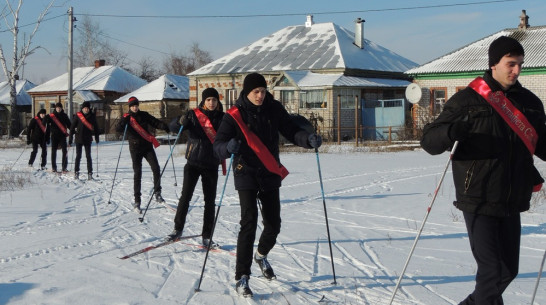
[(71, 20)]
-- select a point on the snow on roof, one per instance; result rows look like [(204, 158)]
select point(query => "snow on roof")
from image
[(104, 78), (168, 86), (86, 96), (474, 56), (21, 87), (311, 79), (320, 46)]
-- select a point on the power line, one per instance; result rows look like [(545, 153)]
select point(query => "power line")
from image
[(34, 23), (298, 14)]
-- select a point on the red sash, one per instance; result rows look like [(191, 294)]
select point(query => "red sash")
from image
[(257, 146), (85, 121), (209, 131), (58, 123), (40, 124), (143, 133), (510, 114)]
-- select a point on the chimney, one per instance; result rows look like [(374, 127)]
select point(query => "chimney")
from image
[(99, 63), (523, 20), (359, 32), (309, 21)]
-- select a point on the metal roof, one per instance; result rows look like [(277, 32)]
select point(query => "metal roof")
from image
[(305, 79), (21, 87), (474, 57), (168, 86), (315, 47)]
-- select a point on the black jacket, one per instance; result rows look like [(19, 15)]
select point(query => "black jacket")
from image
[(199, 148), (266, 121), (35, 133), (55, 131), (146, 121), (493, 170), (83, 134)]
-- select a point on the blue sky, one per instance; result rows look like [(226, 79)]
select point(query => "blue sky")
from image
[(420, 34)]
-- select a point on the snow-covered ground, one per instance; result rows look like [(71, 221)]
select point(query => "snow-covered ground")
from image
[(61, 240)]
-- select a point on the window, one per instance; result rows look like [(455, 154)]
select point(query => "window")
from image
[(231, 98), (287, 97), (348, 98), (393, 103), (51, 106), (438, 99), (313, 99)]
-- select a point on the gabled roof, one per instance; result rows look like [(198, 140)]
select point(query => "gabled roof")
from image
[(317, 47), (474, 57), (21, 87), (103, 78), (305, 79), (168, 86)]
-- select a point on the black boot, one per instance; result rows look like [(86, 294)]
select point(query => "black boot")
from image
[(262, 261), (242, 287), (175, 234), (136, 205), (158, 197)]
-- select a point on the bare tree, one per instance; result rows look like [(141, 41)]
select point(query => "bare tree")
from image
[(146, 69), (180, 64), (92, 44), (10, 14)]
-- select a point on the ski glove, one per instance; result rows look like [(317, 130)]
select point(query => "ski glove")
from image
[(233, 146), (314, 140), (459, 130)]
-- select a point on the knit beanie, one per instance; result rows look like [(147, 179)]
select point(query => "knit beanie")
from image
[(59, 105), (86, 104), (253, 81), (42, 111), (209, 92), (133, 101), (502, 46)]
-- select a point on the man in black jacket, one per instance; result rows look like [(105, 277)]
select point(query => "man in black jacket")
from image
[(84, 126), (256, 120), (499, 125), (38, 135), (201, 124), (141, 146), (58, 122)]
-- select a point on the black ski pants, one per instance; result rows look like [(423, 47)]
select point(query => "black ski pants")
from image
[(271, 215), (87, 148), (149, 154), (55, 142), (34, 152), (495, 244)]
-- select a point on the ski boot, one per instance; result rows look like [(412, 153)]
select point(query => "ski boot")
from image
[(158, 197), (242, 287), (175, 234), (267, 271), (213, 245)]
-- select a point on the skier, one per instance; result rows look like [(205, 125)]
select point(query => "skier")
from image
[(58, 122), (250, 132), (141, 145), (201, 123), (499, 126), (38, 135), (84, 126)]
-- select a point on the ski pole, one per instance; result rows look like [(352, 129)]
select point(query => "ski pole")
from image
[(116, 171), (24, 148), (141, 219), (326, 216), (214, 225), (538, 278), (97, 159), (172, 159), (424, 220)]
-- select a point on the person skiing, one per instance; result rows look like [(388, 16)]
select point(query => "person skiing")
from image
[(84, 126), (141, 146), (250, 132), (38, 135), (58, 122), (499, 125), (201, 124)]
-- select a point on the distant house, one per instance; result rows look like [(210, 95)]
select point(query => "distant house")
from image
[(443, 77), (100, 85), (23, 102), (309, 68), (164, 98)]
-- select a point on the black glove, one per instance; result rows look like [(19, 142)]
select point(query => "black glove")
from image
[(459, 130), (185, 120), (29, 142), (97, 140), (233, 146), (314, 140), (166, 128)]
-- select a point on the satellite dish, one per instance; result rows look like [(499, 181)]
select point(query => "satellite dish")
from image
[(413, 93)]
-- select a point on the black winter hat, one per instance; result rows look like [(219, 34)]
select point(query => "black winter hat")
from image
[(86, 104), (253, 81), (133, 101), (502, 46), (59, 105), (209, 92), (42, 111)]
